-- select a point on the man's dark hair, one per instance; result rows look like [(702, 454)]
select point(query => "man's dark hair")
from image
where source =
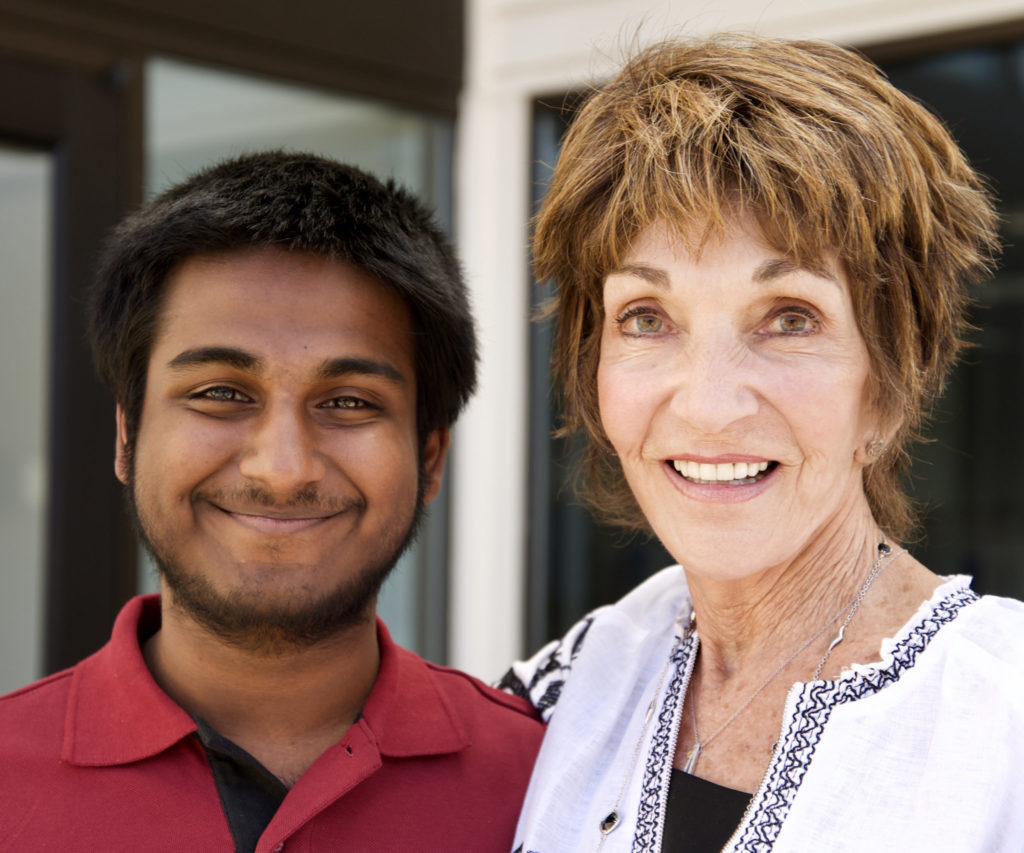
[(300, 203)]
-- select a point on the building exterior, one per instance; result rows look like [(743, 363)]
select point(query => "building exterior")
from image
[(103, 104), (106, 103), (523, 56)]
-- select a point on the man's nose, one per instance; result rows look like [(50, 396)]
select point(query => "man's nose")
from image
[(283, 454)]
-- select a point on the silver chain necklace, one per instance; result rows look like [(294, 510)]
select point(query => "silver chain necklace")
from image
[(849, 609)]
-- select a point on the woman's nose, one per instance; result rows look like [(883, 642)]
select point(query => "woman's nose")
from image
[(714, 384)]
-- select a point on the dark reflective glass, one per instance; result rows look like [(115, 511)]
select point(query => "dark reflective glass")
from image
[(966, 475)]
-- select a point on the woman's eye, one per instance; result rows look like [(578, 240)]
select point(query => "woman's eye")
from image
[(793, 322), (640, 321)]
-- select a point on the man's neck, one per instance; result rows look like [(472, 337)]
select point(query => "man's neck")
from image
[(284, 709)]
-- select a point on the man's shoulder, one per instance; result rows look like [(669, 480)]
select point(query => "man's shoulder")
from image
[(424, 710), (41, 701), (457, 701), (32, 728), (471, 698), (42, 688), (472, 693)]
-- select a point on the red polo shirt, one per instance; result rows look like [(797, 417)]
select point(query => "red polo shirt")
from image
[(98, 757)]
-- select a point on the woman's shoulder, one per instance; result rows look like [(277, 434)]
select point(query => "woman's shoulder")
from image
[(992, 629), (975, 641), (609, 637)]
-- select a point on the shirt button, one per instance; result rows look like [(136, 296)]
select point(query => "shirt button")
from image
[(279, 848), (610, 822)]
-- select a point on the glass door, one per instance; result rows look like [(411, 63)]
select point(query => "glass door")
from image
[(66, 175), (196, 115), (26, 225)]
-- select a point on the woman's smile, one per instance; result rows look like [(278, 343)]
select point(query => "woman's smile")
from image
[(722, 473), (733, 386)]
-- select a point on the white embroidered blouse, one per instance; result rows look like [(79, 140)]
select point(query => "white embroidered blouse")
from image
[(923, 750)]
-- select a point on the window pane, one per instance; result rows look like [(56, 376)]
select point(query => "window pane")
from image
[(963, 477), (574, 564), (26, 179), (196, 115)]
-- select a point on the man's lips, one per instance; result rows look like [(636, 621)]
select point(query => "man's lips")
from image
[(284, 520)]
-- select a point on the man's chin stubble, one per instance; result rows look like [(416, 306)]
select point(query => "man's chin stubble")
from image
[(248, 622), (258, 625)]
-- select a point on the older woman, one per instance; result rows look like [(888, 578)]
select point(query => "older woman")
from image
[(761, 249)]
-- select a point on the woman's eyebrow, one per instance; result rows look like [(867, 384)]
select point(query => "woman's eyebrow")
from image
[(652, 275), (775, 268)]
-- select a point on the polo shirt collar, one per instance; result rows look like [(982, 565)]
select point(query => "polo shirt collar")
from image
[(407, 711), (117, 713)]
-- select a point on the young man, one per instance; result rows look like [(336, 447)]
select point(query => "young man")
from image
[(288, 342)]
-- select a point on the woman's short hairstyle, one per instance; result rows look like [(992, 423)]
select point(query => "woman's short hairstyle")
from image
[(828, 155)]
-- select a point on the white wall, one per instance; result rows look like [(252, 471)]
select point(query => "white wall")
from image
[(518, 50)]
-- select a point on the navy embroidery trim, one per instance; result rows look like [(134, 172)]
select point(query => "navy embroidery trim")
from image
[(798, 743), (814, 706), (545, 685), (511, 683), (659, 761)]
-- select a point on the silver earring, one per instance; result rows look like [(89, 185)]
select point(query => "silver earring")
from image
[(875, 448)]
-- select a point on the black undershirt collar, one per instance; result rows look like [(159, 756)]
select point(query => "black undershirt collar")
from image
[(249, 793)]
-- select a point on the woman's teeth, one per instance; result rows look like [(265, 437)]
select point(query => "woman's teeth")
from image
[(733, 473)]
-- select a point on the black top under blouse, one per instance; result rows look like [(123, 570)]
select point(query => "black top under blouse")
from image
[(701, 816)]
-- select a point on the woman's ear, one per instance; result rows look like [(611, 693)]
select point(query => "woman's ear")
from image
[(870, 450), (876, 441)]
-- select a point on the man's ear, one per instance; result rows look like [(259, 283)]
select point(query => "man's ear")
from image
[(121, 453), (435, 452)]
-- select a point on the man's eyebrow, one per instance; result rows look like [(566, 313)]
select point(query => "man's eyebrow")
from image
[(242, 360), (652, 275), (337, 367), (227, 356), (778, 267)]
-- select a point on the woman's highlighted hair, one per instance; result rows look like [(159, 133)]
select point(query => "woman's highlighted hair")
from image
[(828, 155)]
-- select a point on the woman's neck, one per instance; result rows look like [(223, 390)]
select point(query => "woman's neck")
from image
[(749, 622)]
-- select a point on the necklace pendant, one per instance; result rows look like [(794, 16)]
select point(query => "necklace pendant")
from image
[(837, 640), (691, 759)]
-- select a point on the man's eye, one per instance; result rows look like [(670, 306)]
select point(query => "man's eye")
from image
[(222, 394), (346, 403)]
